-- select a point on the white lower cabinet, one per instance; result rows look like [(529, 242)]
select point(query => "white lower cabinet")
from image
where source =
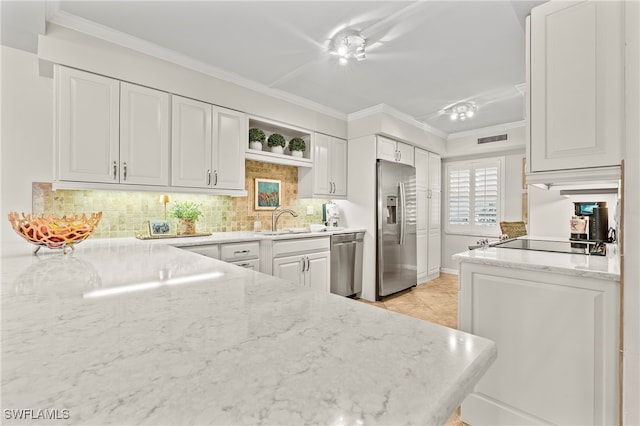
[(557, 339), (245, 254), (306, 261)]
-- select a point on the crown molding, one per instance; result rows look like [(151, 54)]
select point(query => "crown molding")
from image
[(487, 130), (64, 19), (386, 109)]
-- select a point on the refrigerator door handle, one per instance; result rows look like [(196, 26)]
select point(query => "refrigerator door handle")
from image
[(403, 215)]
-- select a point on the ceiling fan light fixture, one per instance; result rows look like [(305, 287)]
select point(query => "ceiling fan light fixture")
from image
[(461, 111), (348, 44)]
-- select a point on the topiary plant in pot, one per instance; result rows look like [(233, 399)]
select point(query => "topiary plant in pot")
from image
[(256, 138), (187, 213), (276, 142), (297, 146)]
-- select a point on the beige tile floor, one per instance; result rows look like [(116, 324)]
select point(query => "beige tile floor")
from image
[(435, 301)]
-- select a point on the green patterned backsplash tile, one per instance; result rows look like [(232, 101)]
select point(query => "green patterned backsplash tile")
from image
[(126, 214)]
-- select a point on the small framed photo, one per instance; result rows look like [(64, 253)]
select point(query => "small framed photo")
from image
[(159, 227), (268, 194)]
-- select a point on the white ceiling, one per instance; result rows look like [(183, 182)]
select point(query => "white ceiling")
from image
[(422, 56)]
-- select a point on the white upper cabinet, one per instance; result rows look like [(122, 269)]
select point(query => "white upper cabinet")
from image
[(576, 85), (207, 145), (229, 135), (328, 178), (87, 145), (191, 143), (144, 135), (390, 150)]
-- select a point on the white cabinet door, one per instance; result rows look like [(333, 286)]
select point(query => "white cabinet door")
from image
[(289, 268), (229, 138), (386, 149), (421, 255), (144, 135), (433, 254), (405, 154), (576, 85), (339, 166), (422, 210), (435, 193), (191, 143), (322, 165), (87, 126), (318, 271), (422, 168), (558, 340)]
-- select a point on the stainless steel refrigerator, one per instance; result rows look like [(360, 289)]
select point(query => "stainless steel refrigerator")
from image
[(396, 216)]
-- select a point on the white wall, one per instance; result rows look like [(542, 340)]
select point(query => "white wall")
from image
[(27, 133), (453, 243), (631, 272), (359, 210)]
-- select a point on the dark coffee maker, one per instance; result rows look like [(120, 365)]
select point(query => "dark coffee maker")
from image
[(597, 215)]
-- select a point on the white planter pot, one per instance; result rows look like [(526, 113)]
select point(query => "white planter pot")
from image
[(296, 153), (255, 145), (277, 149)]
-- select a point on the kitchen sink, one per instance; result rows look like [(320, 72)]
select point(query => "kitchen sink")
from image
[(285, 231)]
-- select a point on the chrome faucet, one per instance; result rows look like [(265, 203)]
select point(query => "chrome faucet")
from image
[(276, 215)]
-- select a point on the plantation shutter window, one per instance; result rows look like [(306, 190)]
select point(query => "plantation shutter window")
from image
[(459, 197), (474, 197)]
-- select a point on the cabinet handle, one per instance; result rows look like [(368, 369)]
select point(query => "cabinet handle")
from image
[(308, 264), (429, 194), (124, 170), (303, 264), (115, 170), (246, 265), (241, 252), (399, 155), (208, 177), (215, 178)]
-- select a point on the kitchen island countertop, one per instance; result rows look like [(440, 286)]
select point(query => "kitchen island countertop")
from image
[(601, 267), (127, 332)]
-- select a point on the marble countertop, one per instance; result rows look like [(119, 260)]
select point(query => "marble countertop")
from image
[(601, 267), (240, 236), (131, 332)]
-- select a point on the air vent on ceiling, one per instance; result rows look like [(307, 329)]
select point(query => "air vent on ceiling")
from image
[(495, 138)]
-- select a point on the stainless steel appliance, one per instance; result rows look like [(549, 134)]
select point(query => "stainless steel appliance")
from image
[(396, 239), (346, 263)]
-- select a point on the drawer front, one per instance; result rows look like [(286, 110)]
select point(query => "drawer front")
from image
[(209, 250), (232, 252), (253, 264), (300, 245)]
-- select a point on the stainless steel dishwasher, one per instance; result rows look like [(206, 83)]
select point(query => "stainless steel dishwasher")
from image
[(346, 263)]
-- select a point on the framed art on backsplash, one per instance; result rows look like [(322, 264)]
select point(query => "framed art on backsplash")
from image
[(268, 194)]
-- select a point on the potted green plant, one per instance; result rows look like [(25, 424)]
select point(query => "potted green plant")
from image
[(187, 213), (276, 142), (297, 146), (256, 138)]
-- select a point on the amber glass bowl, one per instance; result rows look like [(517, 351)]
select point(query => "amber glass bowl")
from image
[(52, 231)]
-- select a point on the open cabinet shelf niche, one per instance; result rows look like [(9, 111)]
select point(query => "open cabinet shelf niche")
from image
[(265, 155)]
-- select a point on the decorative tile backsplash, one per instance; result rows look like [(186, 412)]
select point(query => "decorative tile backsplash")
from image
[(126, 214)]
